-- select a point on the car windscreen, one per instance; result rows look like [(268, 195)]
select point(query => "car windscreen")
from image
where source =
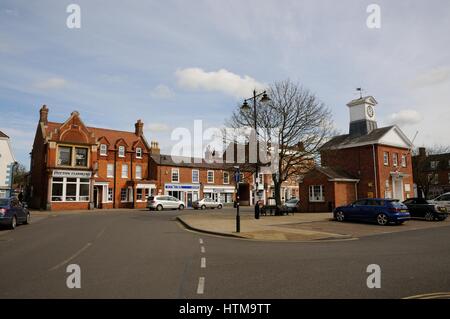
[(4, 202)]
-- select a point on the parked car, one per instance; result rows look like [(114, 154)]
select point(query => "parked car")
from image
[(206, 203), (161, 202), (293, 205), (380, 210), (442, 200), (13, 212), (421, 208)]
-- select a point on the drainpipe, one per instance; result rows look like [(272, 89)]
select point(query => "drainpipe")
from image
[(115, 173), (131, 175), (375, 171)]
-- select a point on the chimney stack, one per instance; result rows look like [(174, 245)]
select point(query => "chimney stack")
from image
[(422, 151), (139, 128), (43, 114), (154, 147)]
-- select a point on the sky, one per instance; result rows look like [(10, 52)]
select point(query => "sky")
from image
[(170, 63)]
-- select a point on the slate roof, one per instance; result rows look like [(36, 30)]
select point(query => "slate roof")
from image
[(334, 173), (348, 140)]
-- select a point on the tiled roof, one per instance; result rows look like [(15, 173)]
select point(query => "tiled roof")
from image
[(3, 134), (334, 173), (348, 140), (111, 135)]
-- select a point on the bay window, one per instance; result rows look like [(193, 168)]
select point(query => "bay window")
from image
[(72, 156)]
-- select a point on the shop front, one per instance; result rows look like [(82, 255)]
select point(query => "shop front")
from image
[(70, 189), (188, 193), (221, 193)]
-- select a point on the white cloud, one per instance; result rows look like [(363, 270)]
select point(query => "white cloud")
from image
[(221, 81), (431, 77), (162, 92), (50, 83), (405, 117), (157, 127)]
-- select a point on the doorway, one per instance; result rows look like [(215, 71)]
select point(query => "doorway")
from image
[(97, 197)]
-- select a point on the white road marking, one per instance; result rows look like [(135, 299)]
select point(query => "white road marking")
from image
[(201, 285), (203, 262), (202, 249), (201, 241), (71, 257), (101, 233)]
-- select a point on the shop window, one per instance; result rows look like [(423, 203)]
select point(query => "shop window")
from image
[(138, 172), (103, 150), (70, 189), (121, 151), (195, 176), (175, 175), (210, 177), (138, 152), (64, 156), (226, 178), (81, 156), (110, 170), (124, 170), (316, 193)]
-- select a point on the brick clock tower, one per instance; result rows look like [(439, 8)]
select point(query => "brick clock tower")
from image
[(367, 162)]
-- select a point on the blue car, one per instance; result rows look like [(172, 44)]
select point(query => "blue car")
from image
[(379, 210), (12, 213)]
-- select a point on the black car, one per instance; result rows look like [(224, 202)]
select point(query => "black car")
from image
[(421, 208), (13, 212)]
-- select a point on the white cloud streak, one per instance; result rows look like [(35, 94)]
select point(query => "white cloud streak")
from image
[(50, 84), (162, 92), (218, 81), (405, 117)]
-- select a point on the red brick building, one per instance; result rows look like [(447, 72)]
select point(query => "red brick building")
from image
[(367, 162), (78, 167)]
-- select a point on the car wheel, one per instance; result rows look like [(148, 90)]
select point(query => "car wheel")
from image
[(429, 216), (382, 219), (28, 219), (181, 207), (159, 208), (203, 207), (13, 223), (340, 216), (219, 207)]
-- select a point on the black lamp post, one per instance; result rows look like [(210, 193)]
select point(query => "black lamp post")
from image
[(245, 107)]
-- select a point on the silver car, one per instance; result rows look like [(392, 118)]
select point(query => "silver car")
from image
[(442, 200), (206, 203), (161, 202)]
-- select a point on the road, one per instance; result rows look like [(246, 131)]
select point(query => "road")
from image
[(137, 254)]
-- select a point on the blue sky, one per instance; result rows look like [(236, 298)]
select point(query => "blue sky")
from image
[(172, 62)]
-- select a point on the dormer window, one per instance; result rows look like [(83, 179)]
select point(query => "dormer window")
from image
[(138, 152), (121, 151), (103, 150)]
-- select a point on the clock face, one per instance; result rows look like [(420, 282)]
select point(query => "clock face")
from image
[(370, 112)]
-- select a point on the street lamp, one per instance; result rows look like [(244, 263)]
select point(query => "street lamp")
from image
[(245, 107)]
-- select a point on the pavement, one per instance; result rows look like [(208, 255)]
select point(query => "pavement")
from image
[(297, 227), (142, 254)]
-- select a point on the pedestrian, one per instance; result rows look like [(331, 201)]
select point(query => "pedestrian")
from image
[(20, 196)]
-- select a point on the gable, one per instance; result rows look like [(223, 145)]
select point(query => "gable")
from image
[(395, 137)]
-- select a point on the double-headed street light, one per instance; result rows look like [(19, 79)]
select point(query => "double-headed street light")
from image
[(245, 107)]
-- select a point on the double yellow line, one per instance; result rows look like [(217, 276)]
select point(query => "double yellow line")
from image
[(436, 295)]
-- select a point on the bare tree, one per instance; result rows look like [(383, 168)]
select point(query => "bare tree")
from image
[(301, 122)]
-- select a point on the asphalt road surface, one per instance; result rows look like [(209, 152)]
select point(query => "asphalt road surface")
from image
[(149, 255)]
